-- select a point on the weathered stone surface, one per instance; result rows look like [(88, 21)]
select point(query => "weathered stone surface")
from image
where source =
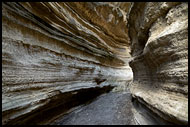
[(159, 40), (49, 49), (113, 108), (59, 54)]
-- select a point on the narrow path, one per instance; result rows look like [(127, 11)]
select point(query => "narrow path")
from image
[(113, 108)]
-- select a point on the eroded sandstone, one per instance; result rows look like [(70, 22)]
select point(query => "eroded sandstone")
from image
[(50, 49), (160, 60), (54, 53)]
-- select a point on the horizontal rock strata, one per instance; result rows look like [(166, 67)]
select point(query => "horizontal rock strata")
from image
[(55, 53), (50, 49), (159, 37)]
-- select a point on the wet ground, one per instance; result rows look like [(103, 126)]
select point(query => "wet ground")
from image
[(113, 108)]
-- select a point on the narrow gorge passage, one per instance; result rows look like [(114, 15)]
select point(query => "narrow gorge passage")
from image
[(113, 108), (94, 63)]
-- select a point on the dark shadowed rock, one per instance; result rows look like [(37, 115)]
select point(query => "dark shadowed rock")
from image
[(59, 55)]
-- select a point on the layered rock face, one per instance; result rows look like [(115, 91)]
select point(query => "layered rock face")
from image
[(52, 52), (159, 37), (56, 55)]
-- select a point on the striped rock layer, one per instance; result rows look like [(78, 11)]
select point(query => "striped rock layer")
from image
[(52, 51), (159, 37), (55, 54)]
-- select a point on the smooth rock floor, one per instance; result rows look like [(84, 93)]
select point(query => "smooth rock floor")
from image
[(113, 108)]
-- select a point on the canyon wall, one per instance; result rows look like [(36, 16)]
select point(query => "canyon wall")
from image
[(159, 47), (57, 53), (52, 51)]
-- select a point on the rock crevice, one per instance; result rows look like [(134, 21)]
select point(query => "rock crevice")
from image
[(53, 52)]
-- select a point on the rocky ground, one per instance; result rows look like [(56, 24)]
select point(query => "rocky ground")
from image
[(58, 55), (113, 108)]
